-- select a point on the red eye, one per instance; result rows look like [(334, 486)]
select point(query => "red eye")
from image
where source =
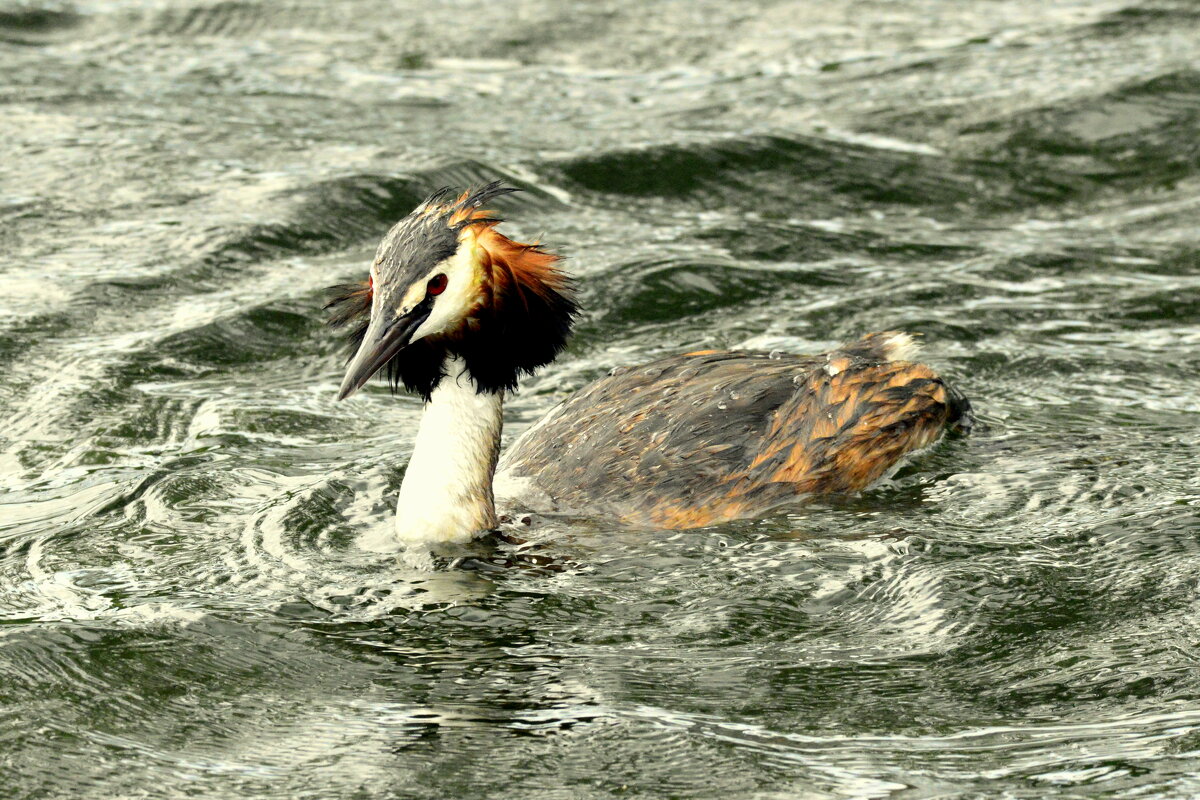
[(436, 285)]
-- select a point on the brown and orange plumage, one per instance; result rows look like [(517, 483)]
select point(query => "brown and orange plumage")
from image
[(695, 439)]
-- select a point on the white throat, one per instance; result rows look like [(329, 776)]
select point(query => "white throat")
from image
[(446, 495)]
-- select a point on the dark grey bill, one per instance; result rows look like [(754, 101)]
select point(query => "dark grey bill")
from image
[(382, 341)]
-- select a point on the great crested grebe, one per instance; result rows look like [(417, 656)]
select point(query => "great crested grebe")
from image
[(457, 312)]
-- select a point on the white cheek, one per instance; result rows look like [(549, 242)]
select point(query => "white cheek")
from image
[(451, 306)]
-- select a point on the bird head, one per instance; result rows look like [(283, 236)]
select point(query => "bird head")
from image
[(445, 282)]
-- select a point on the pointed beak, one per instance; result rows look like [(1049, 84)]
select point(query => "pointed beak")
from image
[(385, 337)]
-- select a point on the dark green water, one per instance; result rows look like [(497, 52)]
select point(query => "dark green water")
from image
[(186, 605)]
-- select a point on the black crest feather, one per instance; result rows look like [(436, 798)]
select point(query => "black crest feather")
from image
[(350, 307), (523, 332)]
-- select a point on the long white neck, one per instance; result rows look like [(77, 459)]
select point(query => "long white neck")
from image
[(446, 495)]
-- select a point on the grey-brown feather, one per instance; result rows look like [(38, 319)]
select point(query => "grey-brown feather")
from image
[(693, 439)]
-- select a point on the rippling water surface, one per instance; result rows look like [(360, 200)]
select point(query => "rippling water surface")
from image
[(188, 605)]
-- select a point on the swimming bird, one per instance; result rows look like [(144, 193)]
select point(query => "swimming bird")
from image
[(457, 312)]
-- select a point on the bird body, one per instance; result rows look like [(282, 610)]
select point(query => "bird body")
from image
[(457, 312), (695, 439)]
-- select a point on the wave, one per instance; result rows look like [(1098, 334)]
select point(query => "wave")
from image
[(796, 174), (334, 214), (1145, 134), (31, 25)]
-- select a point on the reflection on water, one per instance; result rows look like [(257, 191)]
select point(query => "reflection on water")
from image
[(192, 595)]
